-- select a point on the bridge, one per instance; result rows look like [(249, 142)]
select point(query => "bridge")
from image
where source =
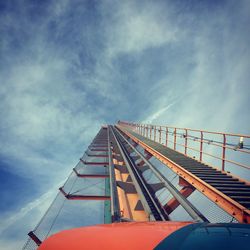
[(140, 172)]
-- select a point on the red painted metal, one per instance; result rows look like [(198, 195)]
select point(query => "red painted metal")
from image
[(154, 133), (90, 175), (223, 152), (201, 146), (175, 139), (186, 141), (203, 138), (99, 150), (125, 235), (238, 211), (141, 163), (94, 155), (93, 163), (34, 238), (160, 135), (166, 136), (174, 203), (83, 197)]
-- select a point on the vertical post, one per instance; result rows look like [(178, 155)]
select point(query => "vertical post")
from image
[(107, 204), (147, 131), (154, 133), (150, 132), (201, 146), (223, 152), (175, 139), (160, 135), (186, 139), (166, 136)]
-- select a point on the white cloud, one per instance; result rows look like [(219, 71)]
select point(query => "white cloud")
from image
[(136, 28), (157, 114), (41, 203), (53, 104)]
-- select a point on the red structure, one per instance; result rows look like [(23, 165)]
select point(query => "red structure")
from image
[(147, 182)]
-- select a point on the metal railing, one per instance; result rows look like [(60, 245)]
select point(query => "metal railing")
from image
[(189, 141)]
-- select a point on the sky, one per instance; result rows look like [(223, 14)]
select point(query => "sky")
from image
[(67, 67)]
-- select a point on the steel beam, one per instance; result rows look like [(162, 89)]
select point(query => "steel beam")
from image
[(115, 207), (191, 210), (230, 206), (90, 175), (83, 197), (143, 199)]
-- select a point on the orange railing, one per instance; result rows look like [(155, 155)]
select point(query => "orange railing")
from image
[(202, 143)]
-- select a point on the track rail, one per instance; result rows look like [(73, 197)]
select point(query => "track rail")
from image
[(150, 203), (212, 183), (191, 210)]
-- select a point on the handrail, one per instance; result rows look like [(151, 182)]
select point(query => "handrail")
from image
[(163, 134), (238, 211)]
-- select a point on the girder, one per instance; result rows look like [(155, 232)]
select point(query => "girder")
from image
[(197, 177), (119, 157)]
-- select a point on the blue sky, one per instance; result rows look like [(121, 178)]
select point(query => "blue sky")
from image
[(69, 66)]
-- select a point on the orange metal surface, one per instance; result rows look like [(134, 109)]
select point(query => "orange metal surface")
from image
[(232, 207), (83, 197), (128, 201), (90, 175), (198, 136), (174, 203), (125, 235), (93, 163)]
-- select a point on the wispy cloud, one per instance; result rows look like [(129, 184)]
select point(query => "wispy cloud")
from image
[(68, 67), (40, 203), (157, 114)]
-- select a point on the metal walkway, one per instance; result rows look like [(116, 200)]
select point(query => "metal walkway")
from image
[(230, 193), (114, 175)]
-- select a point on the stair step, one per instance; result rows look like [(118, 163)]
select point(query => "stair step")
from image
[(200, 169), (209, 174), (233, 189), (221, 178), (224, 182), (235, 185), (204, 170), (245, 204), (203, 173), (240, 198), (237, 193)]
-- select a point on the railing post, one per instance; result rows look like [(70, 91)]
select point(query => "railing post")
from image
[(186, 139), (160, 135), (166, 136), (151, 131), (223, 152), (175, 139), (154, 133), (147, 131), (201, 146)]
